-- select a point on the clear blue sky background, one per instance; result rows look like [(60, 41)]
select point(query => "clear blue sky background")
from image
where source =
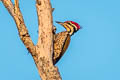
[(94, 51)]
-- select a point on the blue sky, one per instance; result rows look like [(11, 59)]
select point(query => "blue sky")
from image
[(94, 51)]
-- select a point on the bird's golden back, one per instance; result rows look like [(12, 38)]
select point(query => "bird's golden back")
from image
[(61, 43)]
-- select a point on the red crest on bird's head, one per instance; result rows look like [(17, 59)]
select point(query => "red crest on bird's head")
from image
[(70, 26), (76, 24)]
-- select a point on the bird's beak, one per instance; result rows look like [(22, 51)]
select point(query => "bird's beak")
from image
[(59, 22)]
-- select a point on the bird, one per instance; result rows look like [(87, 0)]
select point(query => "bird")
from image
[(62, 39)]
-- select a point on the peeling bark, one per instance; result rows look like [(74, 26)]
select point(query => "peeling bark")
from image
[(43, 51)]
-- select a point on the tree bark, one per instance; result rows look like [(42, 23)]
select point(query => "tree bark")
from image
[(43, 51)]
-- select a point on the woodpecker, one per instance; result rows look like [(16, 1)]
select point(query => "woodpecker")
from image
[(62, 39)]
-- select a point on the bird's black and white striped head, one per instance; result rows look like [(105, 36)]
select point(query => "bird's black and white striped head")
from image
[(70, 26)]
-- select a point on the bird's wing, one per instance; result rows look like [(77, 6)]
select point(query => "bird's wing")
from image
[(61, 43)]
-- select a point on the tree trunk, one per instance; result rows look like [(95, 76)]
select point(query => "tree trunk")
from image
[(43, 51)]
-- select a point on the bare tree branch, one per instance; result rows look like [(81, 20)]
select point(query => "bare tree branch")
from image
[(23, 32), (43, 51)]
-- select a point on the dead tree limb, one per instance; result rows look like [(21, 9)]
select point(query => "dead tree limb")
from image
[(43, 51)]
